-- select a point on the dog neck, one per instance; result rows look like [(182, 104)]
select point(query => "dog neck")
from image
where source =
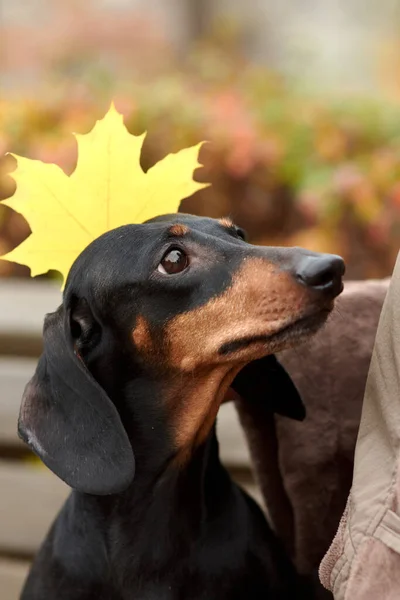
[(177, 491), (181, 492), (167, 519), (193, 403), (168, 418)]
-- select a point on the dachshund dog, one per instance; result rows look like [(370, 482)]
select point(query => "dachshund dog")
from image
[(158, 320)]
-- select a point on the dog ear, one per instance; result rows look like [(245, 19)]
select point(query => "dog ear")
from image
[(69, 421), (266, 381)]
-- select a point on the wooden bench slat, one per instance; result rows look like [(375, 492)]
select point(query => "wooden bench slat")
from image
[(23, 305), (232, 442), (14, 375), (12, 577), (30, 498)]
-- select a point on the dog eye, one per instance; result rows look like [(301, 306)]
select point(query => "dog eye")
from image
[(241, 233), (174, 261)]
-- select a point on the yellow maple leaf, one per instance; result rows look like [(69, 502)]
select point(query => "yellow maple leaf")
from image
[(107, 189)]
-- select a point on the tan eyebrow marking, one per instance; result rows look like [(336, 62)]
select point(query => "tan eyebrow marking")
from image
[(178, 229), (141, 335), (226, 222)]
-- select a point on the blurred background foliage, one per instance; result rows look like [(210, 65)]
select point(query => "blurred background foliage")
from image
[(290, 165)]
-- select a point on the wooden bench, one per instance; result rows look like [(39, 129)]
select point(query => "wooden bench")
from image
[(30, 495)]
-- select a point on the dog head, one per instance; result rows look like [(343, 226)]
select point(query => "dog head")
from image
[(156, 323)]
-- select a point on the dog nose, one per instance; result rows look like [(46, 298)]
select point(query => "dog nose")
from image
[(322, 272)]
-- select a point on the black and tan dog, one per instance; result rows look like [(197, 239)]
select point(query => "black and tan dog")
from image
[(157, 321)]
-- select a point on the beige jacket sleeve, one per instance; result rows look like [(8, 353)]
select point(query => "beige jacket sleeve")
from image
[(363, 562)]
